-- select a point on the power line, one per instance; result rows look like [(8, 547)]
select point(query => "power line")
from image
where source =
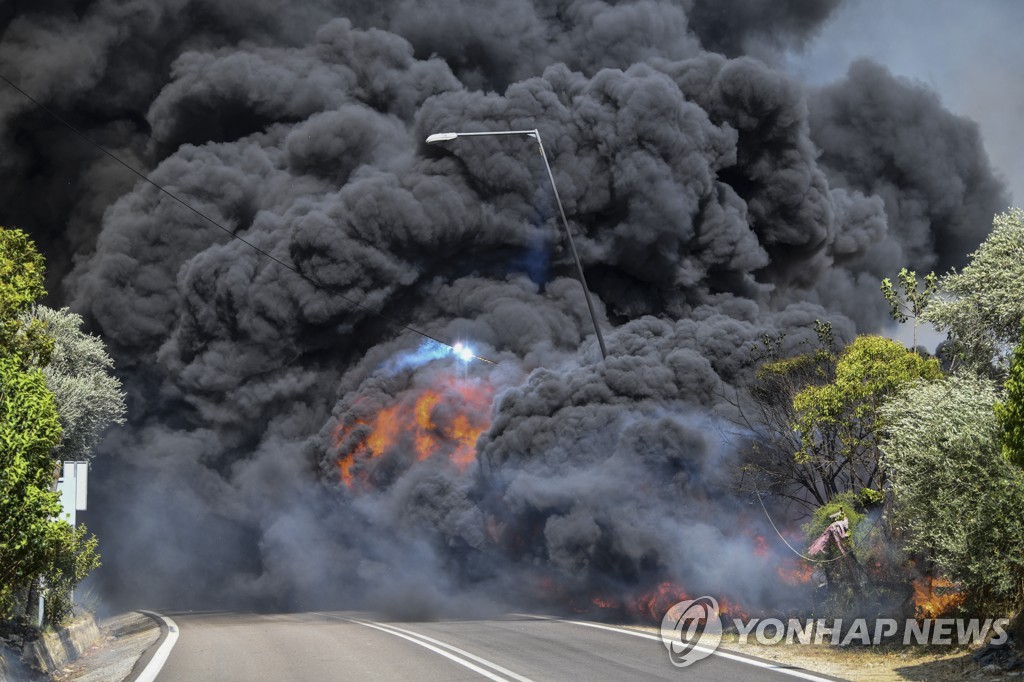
[(782, 537), (316, 283)]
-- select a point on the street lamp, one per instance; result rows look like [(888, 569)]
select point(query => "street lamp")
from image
[(535, 134)]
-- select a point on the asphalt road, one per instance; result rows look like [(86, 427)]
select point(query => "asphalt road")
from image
[(348, 646)]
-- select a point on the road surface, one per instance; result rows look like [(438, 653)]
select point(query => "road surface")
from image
[(349, 646)]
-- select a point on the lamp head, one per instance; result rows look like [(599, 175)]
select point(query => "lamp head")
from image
[(441, 137)]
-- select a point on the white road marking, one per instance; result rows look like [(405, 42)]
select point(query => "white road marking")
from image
[(429, 643), (802, 674), (156, 663), (483, 661)]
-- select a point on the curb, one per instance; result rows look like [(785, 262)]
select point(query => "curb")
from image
[(54, 650), (152, 661)]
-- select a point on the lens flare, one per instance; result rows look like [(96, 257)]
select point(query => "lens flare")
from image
[(463, 352)]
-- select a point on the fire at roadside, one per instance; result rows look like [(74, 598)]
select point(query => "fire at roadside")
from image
[(438, 422), (714, 197), (434, 417)]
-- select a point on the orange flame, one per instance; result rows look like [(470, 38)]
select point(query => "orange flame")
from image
[(606, 602), (935, 597), (655, 603), (441, 421), (727, 607), (760, 546), (796, 572)]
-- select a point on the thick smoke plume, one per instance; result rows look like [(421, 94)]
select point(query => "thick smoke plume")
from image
[(714, 198)]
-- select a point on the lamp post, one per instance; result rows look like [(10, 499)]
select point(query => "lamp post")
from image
[(535, 134)]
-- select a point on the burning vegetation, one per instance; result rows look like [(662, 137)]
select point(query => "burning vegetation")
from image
[(441, 421), (795, 572), (438, 412), (935, 597), (732, 204), (650, 605)]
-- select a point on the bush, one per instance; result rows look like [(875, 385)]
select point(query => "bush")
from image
[(956, 497), (74, 557), (848, 503)]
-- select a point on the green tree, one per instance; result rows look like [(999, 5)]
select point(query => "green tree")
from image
[(839, 422), (817, 427), (89, 397), (32, 542), (29, 430), (956, 498), (72, 557), (29, 425), (826, 455), (1010, 411), (21, 284), (769, 415), (913, 300), (982, 306)]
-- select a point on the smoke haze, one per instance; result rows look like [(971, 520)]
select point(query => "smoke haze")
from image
[(714, 197)]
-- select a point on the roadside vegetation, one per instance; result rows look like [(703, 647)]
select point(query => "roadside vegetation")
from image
[(57, 394), (919, 456)]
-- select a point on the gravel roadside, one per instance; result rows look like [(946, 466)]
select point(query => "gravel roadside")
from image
[(125, 639)]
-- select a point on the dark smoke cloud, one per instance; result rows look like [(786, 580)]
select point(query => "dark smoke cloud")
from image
[(714, 200), (737, 27), (889, 137)]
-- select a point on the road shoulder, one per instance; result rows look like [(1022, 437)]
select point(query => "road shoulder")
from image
[(126, 639), (870, 664)]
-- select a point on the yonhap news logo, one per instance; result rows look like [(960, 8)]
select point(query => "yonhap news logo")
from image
[(691, 630)]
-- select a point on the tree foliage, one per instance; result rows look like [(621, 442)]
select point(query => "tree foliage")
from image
[(1010, 411), (982, 306), (72, 557), (29, 430), (21, 284), (956, 498), (911, 303), (819, 431), (839, 422), (770, 417), (89, 397), (29, 425), (32, 542), (848, 505)]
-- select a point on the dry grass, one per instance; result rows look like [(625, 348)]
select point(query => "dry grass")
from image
[(885, 662)]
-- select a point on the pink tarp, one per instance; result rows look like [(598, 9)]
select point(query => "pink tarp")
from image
[(837, 530)]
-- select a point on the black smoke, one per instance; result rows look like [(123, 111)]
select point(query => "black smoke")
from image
[(714, 198)]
